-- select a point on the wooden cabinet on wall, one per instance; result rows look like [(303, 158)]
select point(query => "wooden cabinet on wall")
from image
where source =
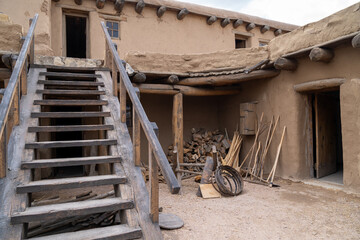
[(247, 118)]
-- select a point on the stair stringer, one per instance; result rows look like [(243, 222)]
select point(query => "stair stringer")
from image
[(16, 152), (150, 230)]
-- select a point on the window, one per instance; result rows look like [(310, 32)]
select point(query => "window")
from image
[(263, 42), (242, 41), (113, 29)]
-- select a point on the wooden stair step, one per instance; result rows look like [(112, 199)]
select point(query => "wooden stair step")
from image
[(70, 102), (69, 183), (69, 114), (121, 232), (70, 75), (70, 92), (67, 162), (73, 143), (70, 128), (63, 210), (71, 83)]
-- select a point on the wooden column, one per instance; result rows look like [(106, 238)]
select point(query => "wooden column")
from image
[(178, 125), (122, 99), (136, 134), (32, 46), (154, 182), (114, 73)]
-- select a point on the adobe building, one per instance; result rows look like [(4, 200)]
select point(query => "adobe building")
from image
[(191, 67)]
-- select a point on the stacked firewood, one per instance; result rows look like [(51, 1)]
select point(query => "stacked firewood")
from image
[(201, 144)]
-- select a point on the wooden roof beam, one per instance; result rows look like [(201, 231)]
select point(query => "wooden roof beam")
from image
[(183, 12), (160, 11), (250, 27), (139, 6), (321, 55), (237, 23), (225, 22), (211, 20), (287, 64), (265, 28), (119, 5), (277, 32), (355, 42), (78, 2), (100, 4)]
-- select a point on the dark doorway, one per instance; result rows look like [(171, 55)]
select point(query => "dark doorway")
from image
[(328, 155), (75, 36)]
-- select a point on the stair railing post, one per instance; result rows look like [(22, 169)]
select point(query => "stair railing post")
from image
[(114, 74), (3, 150), (122, 99), (136, 134), (154, 182), (32, 46)]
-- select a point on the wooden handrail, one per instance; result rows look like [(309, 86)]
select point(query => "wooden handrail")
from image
[(154, 143), (14, 89)]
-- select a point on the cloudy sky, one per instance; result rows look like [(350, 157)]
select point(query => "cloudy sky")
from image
[(299, 12)]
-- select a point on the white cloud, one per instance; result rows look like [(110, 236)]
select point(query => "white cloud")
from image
[(299, 12)]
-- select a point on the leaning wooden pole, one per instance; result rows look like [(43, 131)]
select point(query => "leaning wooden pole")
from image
[(178, 125)]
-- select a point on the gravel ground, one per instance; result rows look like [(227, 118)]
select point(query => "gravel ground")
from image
[(292, 211)]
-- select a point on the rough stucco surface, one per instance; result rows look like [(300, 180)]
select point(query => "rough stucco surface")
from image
[(344, 22), (196, 62), (10, 35), (350, 123)]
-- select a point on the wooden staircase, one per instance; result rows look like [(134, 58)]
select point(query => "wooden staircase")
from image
[(69, 112)]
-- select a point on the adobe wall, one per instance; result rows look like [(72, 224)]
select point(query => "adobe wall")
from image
[(10, 35), (277, 97)]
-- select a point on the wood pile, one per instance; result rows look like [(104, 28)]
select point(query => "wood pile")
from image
[(72, 223)]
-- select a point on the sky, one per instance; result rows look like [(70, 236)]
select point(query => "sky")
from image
[(298, 12)]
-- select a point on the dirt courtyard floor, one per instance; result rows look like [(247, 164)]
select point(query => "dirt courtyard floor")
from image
[(292, 211)]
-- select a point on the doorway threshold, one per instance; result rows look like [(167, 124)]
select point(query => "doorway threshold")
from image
[(335, 178)]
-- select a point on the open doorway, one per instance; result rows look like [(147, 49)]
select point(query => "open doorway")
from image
[(328, 155), (76, 36)]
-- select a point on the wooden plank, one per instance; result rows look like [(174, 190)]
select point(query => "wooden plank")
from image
[(317, 85), (70, 102), (136, 135), (69, 114), (178, 126), (63, 210), (75, 143), (70, 75), (113, 232), (154, 182), (69, 69), (5, 73), (222, 80), (71, 128), (70, 183), (70, 92), (66, 162), (208, 191), (197, 91), (146, 125), (71, 83)]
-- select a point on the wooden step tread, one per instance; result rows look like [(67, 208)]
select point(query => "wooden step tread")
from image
[(63, 210), (70, 92), (70, 128), (73, 143), (72, 75), (71, 83), (69, 183), (70, 102), (66, 162), (120, 232), (69, 114)]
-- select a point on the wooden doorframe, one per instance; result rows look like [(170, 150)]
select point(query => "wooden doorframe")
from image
[(309, 133), (71, 12)]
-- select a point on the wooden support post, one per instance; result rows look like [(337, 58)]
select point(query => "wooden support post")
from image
[(32, 46), (154, 182), (119, 5), (16, 105), (265, 28), (225, 22), (237, 23), (78, 2), (122, 99), (177, 168), (177, 125), (3, 149), (250, 26), (277, 32), (100, 4), (136, 134), (161, 10), (114, 73), (23, 79), (321, 55), (211, 20), (355, 42), (285, 64), (139, 6)]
